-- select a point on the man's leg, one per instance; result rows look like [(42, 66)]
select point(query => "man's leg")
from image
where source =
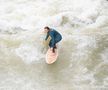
[(56, 41), (53, 50), (55, 46)]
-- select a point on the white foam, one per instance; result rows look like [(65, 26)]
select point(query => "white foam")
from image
[(104, 55), (71, 18), (28, 53)]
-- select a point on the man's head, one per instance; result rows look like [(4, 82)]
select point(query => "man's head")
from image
[(46, 29)]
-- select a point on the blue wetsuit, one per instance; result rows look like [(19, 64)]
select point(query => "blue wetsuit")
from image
[(55, 37)]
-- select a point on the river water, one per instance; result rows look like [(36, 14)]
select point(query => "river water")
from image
[(83, 52)]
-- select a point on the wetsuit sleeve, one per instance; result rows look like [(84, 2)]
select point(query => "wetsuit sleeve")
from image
[(46, 37), (52, 39)]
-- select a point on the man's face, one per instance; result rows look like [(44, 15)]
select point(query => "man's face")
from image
[(45, 30)]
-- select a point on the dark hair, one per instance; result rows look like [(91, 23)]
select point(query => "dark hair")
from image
[(47, 28)]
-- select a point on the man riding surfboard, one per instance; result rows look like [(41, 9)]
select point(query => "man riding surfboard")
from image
[(55, 37)]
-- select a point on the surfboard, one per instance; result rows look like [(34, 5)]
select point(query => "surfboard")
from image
[(51, 57)]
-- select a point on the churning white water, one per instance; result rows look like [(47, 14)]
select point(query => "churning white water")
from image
[(83, 53)]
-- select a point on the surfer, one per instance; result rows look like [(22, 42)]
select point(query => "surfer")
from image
[(55, 37)]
